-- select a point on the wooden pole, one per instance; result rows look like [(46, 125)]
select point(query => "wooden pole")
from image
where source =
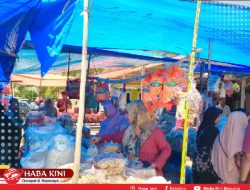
[(243, 93), (40, 89), (12, 88), (89, 59), (190, 78), (142, 73), (67, 85), (209, 71), (82, 93)]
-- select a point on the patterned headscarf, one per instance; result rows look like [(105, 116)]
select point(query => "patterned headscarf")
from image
[(146, 123)]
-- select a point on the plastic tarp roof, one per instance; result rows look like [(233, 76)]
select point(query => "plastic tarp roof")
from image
[(126, 25), (48, 80), (48, 22), (167, 25), (27, 62)]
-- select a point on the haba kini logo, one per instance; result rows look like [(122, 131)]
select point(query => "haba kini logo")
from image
[(13, 176)]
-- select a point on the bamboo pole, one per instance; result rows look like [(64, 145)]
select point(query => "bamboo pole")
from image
[(67, 85), (82, 93), (142, 73), (209, 71), (243, 93), (190, 78)]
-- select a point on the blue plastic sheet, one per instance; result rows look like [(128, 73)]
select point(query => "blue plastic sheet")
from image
[(49, 30), (165, 25), (48, 22), (15, 19), (27, 63)]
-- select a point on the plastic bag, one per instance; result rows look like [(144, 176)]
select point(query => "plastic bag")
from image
[(38, 136), (195, 105), (66, 121), (229, 88), (92, 150), (84, 156), (134, 164), (61, 152), (214, 80), (180, 112), (111, 163), (103, 156), (175, 140), (123, 100), (35, 118), (92, 176), (143, 173), (111, 166), (109, 147), (49, 121), (36, 158), (86, 165), (115, 98), (157, 180)]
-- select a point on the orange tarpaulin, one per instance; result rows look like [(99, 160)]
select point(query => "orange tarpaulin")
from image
[(50, 80)]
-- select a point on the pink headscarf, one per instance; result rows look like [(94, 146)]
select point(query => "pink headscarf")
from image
[(226, 145), (115, 122), (246, 144)]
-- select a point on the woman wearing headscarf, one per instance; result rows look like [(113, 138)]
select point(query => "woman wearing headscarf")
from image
[(49, 108), (227, 149), (11, 134), (203, 172), (144, 140), (245, 169), (114, 126)]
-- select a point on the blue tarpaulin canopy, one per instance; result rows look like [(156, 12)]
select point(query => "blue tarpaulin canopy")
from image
[(165, 25), (47, 21), (27, 62)]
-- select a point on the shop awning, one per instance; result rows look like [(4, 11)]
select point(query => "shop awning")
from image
[(49, 80)]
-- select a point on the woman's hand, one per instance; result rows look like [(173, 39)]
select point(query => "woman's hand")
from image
[(152, 166), (131, 157), (95, 140), (238, 159)]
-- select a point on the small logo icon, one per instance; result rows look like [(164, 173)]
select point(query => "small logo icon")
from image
[(132, 187), (12, 176), (197, 188)]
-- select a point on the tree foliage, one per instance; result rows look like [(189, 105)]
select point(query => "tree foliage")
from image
[(32, 92)]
